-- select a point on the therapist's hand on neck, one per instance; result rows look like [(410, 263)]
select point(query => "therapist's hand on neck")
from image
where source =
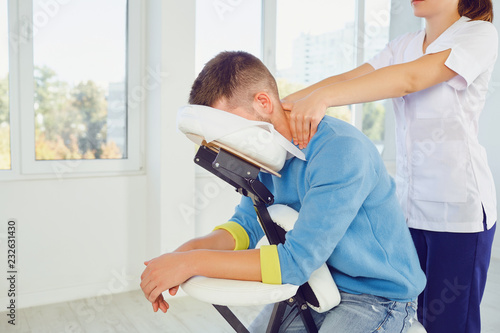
[(306, 116)]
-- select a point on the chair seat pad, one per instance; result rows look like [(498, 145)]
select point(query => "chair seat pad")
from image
[(236, 292)]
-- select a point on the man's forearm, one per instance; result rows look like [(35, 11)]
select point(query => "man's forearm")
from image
[(235, 265), (216, 240), (171, 269)]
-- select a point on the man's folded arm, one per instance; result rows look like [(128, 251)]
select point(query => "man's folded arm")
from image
[(218, 239)]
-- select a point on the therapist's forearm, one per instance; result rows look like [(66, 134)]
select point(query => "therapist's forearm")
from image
[(235, 265), (384, 83), (357, 72), (306, 91), (389, 82)]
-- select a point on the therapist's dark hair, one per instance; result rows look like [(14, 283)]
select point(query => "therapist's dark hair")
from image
[(234, 75), (481, 10)]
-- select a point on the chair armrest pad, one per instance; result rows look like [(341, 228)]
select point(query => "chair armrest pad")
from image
[(236, 292)]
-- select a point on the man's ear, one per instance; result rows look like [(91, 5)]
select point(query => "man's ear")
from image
[(263, 103)]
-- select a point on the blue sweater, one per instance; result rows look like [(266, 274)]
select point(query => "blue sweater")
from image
[(349, 217)]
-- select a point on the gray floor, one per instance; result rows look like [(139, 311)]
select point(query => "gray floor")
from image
[(130, 312), (126, 312)]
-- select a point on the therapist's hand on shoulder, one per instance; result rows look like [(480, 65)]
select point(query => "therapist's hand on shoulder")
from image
[(305, 115)]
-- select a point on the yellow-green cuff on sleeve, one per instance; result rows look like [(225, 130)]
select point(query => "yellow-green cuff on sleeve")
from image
[(239, 234), (270, 264)]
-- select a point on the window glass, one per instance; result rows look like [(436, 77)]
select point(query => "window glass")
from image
[(376, 36), (314, 41), (4, 89), (80, 57), (224, 25)]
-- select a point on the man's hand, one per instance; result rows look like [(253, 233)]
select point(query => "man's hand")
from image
[(163, 273)]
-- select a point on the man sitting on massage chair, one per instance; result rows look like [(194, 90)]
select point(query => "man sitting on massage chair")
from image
[(349, 216)]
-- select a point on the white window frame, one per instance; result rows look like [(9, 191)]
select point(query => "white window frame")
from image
[(269, 23), (22, 116), (357, 110)]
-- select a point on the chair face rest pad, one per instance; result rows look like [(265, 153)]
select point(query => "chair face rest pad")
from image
[(250, 140)]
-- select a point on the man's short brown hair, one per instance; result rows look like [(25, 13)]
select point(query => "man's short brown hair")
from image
[(235, 76)]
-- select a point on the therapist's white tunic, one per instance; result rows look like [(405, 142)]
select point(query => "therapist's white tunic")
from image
[(443, 179)]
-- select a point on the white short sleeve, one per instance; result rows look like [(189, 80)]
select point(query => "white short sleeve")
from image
[(391, 54), (474, 48), (382, 59)]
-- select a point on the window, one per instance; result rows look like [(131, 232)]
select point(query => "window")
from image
[(319, 43), (328, 38), (227, 25), (376, 36), (76, 88), (5, 161), (79, 59)]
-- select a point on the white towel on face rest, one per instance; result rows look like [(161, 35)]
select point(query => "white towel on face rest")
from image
[(256, 139)]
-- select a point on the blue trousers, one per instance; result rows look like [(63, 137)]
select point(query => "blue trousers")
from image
[(456, 265), (355, 314)]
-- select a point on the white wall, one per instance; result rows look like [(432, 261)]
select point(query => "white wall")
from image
[(215, 202), (170, 167), (74, 236)]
